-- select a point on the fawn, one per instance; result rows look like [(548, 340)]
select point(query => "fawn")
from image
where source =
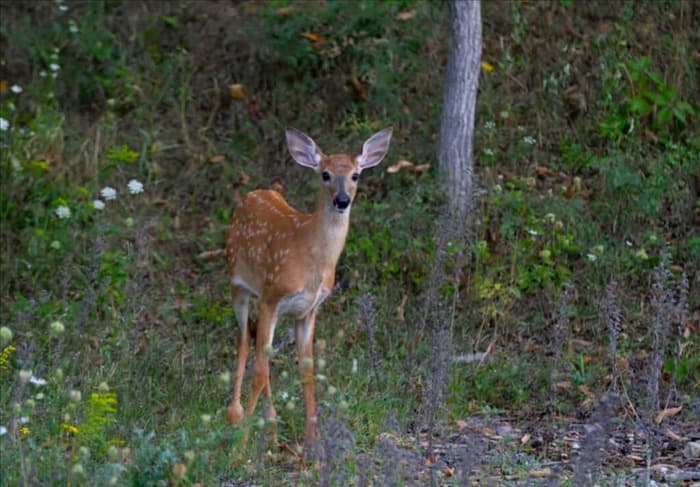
[(287, 260)]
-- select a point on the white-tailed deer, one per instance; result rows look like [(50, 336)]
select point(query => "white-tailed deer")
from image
[(287, 260)]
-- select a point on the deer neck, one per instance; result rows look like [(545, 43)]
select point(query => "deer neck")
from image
[(327, 231)]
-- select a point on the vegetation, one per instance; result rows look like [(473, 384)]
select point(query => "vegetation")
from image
[(130, 129)]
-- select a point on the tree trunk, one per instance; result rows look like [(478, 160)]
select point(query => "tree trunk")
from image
[(459, 102)]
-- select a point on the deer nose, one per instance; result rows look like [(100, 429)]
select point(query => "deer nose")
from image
[(342, 201)]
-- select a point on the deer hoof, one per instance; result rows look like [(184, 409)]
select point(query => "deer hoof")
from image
[(234, 413)]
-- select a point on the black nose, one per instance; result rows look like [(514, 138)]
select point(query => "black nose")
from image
[(341, 201)]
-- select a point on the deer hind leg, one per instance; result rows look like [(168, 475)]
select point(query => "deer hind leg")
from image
[(304, 329), (241, 304), (267, 320)]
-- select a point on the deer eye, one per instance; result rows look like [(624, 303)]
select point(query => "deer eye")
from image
[(326, 176), (355, 176)]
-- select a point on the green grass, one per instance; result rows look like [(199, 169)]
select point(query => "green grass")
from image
[(585, 162)]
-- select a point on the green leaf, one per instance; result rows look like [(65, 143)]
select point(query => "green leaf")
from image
[(639, 105)]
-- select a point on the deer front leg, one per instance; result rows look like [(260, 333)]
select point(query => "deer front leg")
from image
[(267, 320), (241, 300), (304, 329)]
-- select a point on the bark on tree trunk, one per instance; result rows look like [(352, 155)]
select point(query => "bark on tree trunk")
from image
[(459, 102)]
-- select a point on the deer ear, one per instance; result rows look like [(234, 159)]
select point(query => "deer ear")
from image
[(375, 148), (303, 148)]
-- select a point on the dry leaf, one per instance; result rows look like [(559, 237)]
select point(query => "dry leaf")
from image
[(401, 308), (4, 86), (177, 223), (316, 39), (541, 473), (244, 178), (236, 91), (407, 15), (565, 384), (448, 471), (525, 439), (667, 413), (461, 425), (676, 268), (673, 436), (359, 87), (218, 159), (402, 164), (421, 167), (208, 254), (281, 12)]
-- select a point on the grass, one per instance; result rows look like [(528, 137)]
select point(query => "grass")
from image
[(117, 341)]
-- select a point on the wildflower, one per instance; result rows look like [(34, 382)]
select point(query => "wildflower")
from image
[(103, 387), (69, 428), (591, 257), (135, 187), (4, 124), (62, 7), (37, 381), (498, 189), (63, 212), (5, 356), (5, 334), (489, 125), (16, 89), (98, 205), (550, 217), (284, 395), (54, 67), (529, 140), (3, 430), (108, 193), (532, 232), (290, 406), (23, 420), (55, 244), (487, 66), (78, 470), (331, 390), (75, 395), (354, 366), (531, 182), (42, 73), (546, 254), (25, 430), (129, 222), (25, 375), (57, 328), (641, 254), (206, 418), (72, 27), (225, 377)]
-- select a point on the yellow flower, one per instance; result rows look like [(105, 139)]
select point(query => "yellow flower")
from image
[(487, 66), (70, 428), (5, 356), (24, 430)]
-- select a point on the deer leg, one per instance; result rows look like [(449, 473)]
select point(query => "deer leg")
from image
[(267, 320), (304, 329), (241, 302)]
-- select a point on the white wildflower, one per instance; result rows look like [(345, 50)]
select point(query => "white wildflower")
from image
[(24, 420), (489, 125), (489, 152), (63, 8), (63, 212), (531, 231), (73, 28), (108, 193), (3, 430), (284, 395), (135, 187), (98, 204), (591, 257), (54, 67), (42, 73), (4, 124), (37, 381), (16, 89), (529, 140)]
